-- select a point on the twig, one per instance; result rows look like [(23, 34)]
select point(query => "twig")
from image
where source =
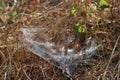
[(111, 56), (20, 77), (2, 55), (118, 70), (42, 72), (26, 75), (117, 65), (3, 46), (1, 70), (5, 76)]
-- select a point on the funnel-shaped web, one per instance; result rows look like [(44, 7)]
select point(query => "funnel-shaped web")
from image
[(44, 49)]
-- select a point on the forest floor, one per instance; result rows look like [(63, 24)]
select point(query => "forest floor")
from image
[(18, 63)]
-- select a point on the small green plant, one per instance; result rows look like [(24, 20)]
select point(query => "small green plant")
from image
[(14, 16), (90, 10), (79, 28), (103, 4), (73, 9)]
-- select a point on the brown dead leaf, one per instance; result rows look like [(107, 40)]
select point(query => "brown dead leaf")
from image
[(3, 18), (76, 47), (10, 38), (17, 30)]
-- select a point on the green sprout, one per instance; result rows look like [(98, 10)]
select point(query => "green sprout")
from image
[(14, 16), (90, 10), (103, 4), (73, 9), (79, 28)]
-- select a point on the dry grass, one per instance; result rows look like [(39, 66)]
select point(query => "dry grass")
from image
[(17, 63)]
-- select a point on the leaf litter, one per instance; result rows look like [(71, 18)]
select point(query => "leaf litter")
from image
[(55, 17)]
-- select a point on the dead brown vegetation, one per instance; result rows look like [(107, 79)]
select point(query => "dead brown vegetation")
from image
[(17, 63)]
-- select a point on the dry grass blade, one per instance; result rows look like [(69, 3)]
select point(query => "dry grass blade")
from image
[(3, 46), (111, 57), (43, 72), (26, 75), (2, 55)]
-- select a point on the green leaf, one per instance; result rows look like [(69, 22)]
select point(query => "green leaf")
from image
[(79, 28), (14, 13), (90, 10), (73, 9), (103, 4), (71, 57), (14, 16)]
